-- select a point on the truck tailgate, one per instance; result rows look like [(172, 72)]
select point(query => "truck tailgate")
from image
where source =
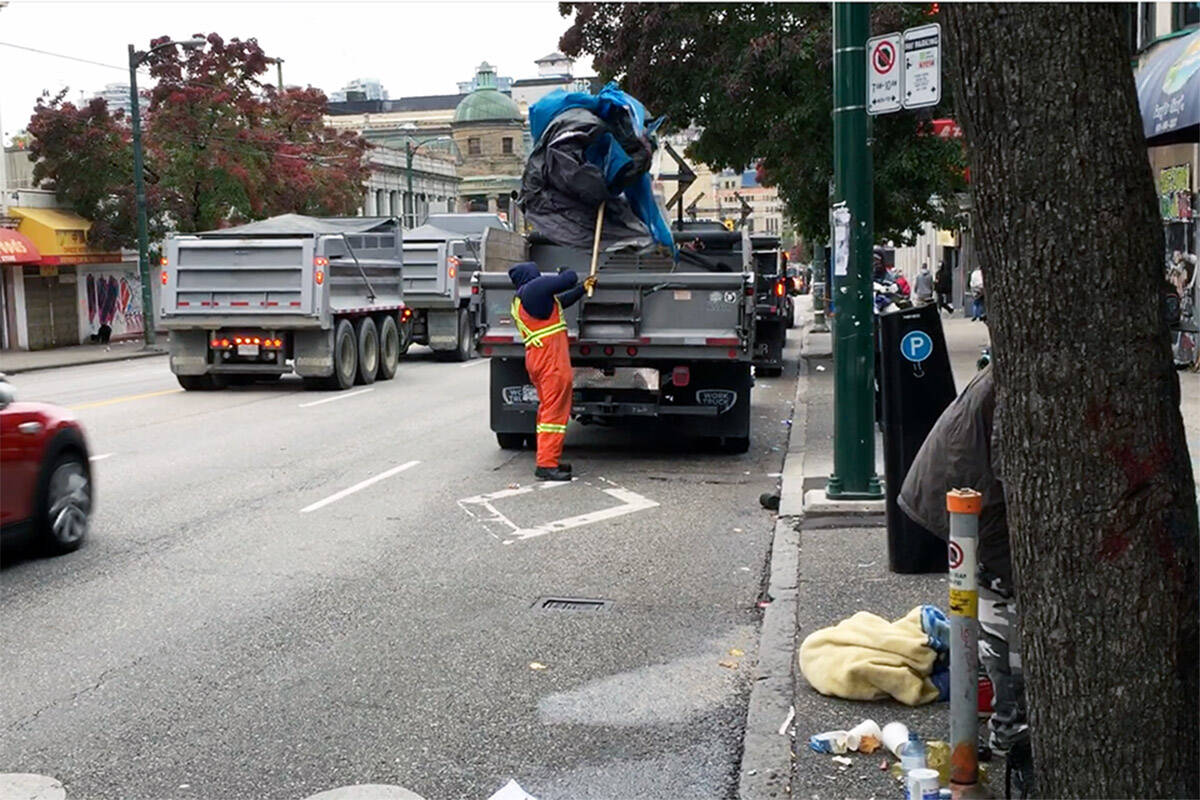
[(425, 269), (238, 276)]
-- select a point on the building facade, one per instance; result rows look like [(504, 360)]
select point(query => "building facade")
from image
[(489, 131)]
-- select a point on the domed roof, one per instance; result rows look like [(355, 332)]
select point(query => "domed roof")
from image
[(487, 103)]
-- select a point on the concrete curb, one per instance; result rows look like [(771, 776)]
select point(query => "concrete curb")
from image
[(100, 359), (766, 769)]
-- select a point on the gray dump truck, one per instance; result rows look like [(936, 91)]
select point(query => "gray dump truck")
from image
[(659, 341), (320, 297), (439, 259)]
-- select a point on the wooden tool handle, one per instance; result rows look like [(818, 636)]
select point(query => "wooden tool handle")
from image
[(596, 242)]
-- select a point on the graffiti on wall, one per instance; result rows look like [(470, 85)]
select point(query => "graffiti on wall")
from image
[(114, 298)]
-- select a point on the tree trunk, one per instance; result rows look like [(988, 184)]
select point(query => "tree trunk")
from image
[(1101, 500)]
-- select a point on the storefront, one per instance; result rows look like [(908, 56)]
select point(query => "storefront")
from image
[(73, 293), (16, 250)]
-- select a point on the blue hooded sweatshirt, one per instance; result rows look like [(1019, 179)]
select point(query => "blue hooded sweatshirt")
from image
[(538, 291)]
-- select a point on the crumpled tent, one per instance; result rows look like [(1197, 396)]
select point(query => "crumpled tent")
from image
[(591, 149)]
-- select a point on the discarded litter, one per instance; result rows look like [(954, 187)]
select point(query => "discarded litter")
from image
[(791, 716), (894, 735), (514, 486), (820, 368), (727, 664), (763, 603), (845, 762), (870, 738), (937, 756), (537, 666), (863, 737), (737, 653), (834, 742)]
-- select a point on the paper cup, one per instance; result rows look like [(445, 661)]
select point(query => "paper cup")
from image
[(922, 784), (894, 735), (868, 727)]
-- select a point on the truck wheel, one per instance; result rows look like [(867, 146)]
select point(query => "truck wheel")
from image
[(389, 347), (367, 336), (734, 445), (510, 441), (768, 372), (465, 348), (345, 357), (65, 501), (194, 383)]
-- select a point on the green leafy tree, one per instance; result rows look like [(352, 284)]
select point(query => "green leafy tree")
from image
[(221, 147), (757, 79)]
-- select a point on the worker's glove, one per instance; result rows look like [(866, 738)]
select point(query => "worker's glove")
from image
[(589, 282)]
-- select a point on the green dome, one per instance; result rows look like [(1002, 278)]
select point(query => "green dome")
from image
[(486, 103)]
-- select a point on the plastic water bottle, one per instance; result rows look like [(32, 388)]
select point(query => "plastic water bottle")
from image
[(912, 754)]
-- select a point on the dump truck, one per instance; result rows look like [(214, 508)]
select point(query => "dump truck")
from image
[(320, 297), (439, 259), (659, 341)]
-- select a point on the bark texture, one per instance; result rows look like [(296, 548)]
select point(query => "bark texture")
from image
[(1092, 453)]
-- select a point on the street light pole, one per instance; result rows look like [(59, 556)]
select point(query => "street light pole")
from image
[(854, 475), (410, 150), (139, 188), (139, 183)]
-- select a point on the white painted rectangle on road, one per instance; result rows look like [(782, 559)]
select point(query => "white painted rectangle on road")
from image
[(474, 362), (101, 457), (339, 396), (333, 498)]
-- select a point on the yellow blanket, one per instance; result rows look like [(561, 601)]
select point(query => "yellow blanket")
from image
[(866, 657)]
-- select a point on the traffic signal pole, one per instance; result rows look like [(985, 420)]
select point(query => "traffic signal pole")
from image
[(854, 475)]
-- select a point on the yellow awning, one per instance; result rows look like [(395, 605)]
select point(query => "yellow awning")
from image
[(60, 236)]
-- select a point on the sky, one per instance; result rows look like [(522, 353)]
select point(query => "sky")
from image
[(412, 47)]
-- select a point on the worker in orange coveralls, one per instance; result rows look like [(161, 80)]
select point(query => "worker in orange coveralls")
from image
[(538, 312)]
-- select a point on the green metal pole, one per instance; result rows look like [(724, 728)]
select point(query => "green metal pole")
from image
[(854, 475), (409, 152), (139, 186)]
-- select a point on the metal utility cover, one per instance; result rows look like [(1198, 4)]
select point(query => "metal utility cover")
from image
[(589, 604), (885, 75), (923, 66)]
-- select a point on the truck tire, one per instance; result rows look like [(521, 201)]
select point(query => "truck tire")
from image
[(367, 337), (463, 346), (389, 347), (511, 441), (202, 383), (768, 372), (345, 357)]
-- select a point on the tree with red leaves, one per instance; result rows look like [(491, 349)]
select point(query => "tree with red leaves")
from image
[(221, 147)]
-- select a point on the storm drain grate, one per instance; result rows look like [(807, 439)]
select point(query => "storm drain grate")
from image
[(587, 604)]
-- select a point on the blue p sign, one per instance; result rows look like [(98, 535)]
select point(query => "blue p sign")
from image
[(916, 346)]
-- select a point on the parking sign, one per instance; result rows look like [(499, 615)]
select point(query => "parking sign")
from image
[(884, 74), (923, 66)]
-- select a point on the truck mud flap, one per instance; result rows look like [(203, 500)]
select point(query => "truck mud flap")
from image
[(514, 400), (189, 352), (313, 353)]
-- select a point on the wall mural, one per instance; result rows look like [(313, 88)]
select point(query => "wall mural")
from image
[(114, 298)]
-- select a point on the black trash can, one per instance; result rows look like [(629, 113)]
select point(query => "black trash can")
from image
[(916, 386)]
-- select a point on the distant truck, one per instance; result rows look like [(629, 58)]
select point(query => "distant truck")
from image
[(659, 341), (439, 259), (320, 297)]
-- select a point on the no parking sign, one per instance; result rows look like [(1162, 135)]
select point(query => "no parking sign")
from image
[(884, 83)]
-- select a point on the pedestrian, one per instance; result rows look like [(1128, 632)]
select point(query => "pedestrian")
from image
[(978, 309), (924, 285), (538, 311), (944, 285), (957, 453)]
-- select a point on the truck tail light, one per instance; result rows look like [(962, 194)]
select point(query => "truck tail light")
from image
[(749, 290), (162, 262), (608, 350), (631, 350), (406, 314), (475, 289), (319, 277), (320, 263), (780, 288), (452, 264), (681, 376), (163, 277), (215, 343), (585, 350)]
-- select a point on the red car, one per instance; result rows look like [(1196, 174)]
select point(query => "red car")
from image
[(45, 476)]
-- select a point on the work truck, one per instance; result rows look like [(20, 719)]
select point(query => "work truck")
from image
[(320, 297), (662, 341), (439, 259)]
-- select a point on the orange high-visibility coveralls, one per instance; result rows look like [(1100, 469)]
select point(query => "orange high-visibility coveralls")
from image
[(548, 362)]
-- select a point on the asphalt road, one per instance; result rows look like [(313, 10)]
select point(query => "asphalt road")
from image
[(286, 592)]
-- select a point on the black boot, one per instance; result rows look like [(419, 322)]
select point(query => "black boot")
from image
[(552, 474), (1018, 771)]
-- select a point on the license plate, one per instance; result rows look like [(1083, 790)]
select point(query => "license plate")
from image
[(247, 350)]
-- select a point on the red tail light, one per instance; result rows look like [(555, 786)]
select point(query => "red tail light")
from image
[(406, 314), (319, 277), (215, 343), (585, 350), (474, 290), (749, 291), (321, 262), (224, 343), (780, 289), (633, 351), (681, 376), (163, 277), (608, 350)]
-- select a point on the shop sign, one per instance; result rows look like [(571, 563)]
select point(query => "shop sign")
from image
[(48, 270), (1174, 193)]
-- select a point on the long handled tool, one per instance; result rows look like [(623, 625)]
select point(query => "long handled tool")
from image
[(596, 242)]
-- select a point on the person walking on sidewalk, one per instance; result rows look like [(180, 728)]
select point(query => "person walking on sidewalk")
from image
[(957, 453), (944, 285), (924, 285), (978, 309), (538, 312)]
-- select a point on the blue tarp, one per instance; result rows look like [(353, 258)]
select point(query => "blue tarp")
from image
[(1168, 87), (606, 153)]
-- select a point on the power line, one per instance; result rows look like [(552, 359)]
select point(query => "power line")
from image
[(63, 55)]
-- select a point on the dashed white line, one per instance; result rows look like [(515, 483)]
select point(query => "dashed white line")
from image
[(474, 363), (342, 396), (101, 457), (333, 498)]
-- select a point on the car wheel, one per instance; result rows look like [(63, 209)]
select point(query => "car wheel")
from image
[(367, 336), (66, 504), (345, 357), (389, 347)]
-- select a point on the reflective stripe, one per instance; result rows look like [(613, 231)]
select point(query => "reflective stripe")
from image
[(549, 427), (531, 337)]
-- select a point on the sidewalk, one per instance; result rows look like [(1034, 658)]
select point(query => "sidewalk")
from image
[(15, 361), (824, 569)]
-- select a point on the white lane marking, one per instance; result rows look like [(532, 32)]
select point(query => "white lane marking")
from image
[(340, 396), (333, 498), (101, 457), (28, 786), (630, 502), (473, 363)]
